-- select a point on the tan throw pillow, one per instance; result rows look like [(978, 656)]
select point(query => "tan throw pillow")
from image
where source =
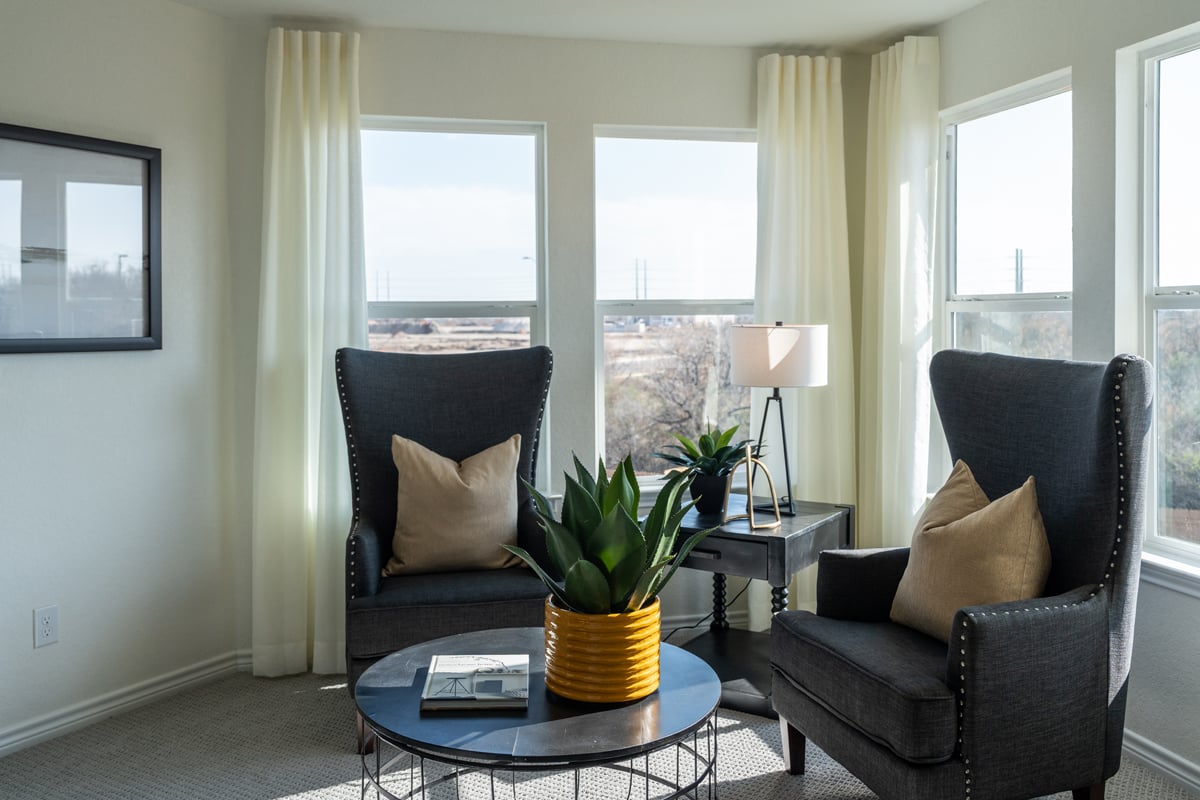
[(967, 551), (452, 516)]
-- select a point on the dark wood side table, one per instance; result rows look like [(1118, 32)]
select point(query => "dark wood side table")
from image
[(742, 658)]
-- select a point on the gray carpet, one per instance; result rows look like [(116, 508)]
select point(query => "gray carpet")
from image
[(263, 739)]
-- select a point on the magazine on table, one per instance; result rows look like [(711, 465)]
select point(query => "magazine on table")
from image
[(476, 682)]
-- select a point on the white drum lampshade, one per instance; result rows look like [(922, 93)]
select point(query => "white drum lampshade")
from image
[(779, 355)]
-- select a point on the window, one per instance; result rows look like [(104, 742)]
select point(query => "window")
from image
[(453, 234), (1008, 223), (10, 253), (676, 224), (1172, 261)]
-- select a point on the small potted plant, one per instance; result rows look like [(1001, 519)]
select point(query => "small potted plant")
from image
[(602, 617), (710, 460)]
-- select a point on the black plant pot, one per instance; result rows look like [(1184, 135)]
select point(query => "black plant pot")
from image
[(709, 492)]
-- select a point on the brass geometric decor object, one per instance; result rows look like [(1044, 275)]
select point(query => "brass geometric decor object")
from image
[(752, 465)]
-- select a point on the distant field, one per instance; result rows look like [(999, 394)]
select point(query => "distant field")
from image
[(447, 336)]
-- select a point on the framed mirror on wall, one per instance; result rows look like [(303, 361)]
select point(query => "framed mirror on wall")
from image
[(80, 243)]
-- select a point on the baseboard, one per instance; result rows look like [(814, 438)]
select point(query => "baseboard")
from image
[(1163, 761), (64, 720)]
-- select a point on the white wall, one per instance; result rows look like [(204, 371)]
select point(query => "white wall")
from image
[(113, 466), (1002, 43)]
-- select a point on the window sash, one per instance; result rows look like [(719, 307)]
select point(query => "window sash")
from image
[(536, 309), (1003, 100), (1159, 297)]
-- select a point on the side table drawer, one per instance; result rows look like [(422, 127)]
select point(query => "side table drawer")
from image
[(730, 556)]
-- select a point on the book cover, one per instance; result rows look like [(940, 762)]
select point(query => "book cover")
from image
[(476, 682)]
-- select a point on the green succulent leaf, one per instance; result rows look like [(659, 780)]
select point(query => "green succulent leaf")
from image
[(620, 491), (551, 584), (584, 477), (624, 576), (689, 446), (632, 481), (587, 589), (677, 561), (580, 512), (601, 481), (657, 521), (682, 461), (706, 444), (541, 504), (641, 591), (561, 544), (723, 439), (613, 539)]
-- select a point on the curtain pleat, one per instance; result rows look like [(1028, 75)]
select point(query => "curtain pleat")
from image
[(312, 301), (804, 277), (895, 406)]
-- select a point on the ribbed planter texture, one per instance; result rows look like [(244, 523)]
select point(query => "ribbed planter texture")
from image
[(602, 658), (709, 492)]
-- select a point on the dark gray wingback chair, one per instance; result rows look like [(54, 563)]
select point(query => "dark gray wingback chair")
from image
[(455, 405), (1029, 697)]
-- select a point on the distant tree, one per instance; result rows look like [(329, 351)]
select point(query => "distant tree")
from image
[(1178, 406), (665, 379)]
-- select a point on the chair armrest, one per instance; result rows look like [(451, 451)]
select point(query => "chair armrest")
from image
[(1032, 681), (363, 566), (859, 584)]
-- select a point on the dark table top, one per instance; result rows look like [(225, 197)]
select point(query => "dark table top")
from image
[(552, 730), (809, 517)]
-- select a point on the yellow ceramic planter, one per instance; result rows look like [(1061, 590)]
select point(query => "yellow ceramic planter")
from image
[(602, 658)]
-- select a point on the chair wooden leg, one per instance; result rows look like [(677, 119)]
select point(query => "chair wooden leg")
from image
[(793, 748), (365, 744), (1093, 792)]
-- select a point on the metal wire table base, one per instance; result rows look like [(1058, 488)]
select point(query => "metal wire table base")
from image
[(400, 772)]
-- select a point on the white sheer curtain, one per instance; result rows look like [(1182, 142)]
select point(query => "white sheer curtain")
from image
[(894, 419), (312, 301), (803, 274)]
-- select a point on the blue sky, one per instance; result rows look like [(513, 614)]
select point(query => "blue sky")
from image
[(462, 206)]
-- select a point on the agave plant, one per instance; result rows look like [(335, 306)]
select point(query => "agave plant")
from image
[(609, 561), (712, 454)]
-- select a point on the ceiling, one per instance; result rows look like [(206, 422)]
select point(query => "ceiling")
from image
[(845, 24)]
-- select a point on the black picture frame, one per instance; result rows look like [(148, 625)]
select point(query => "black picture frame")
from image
[(68, 205)]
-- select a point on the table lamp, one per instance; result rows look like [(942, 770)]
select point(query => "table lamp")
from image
[(774, 356)]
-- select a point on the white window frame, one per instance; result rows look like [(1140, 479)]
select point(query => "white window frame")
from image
[(1156, 298), (534, 310), (630, 308), (949, 301)]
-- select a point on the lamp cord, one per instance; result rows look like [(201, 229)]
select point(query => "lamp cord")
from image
[(707, 616)]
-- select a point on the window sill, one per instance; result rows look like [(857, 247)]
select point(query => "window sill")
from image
[(1171, 574)]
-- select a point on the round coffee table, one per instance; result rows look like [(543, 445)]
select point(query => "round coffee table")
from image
[(552, 734)]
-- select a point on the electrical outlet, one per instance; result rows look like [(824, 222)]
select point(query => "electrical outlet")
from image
[(45, 626)]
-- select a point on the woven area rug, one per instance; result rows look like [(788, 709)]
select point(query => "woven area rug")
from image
[(269, 739)]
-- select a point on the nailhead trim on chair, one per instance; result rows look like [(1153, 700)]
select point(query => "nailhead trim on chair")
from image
[(537, 431), (962, 664), (353, 479)]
